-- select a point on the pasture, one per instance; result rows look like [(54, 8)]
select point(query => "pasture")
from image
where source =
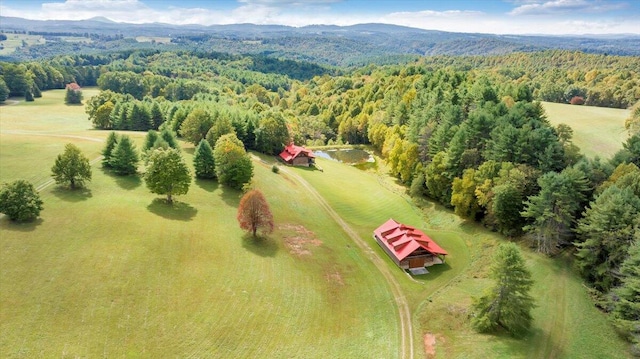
[(15, 41), (113, 271), (597, 131)]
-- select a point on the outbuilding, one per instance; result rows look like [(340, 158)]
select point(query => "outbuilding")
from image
[(408, 247), (297, 156)]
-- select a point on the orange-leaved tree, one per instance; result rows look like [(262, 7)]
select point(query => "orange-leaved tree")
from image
[(254, 213)]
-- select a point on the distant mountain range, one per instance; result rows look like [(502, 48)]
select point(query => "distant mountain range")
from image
[(335, 45)]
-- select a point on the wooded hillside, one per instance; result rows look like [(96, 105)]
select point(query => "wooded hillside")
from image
[(465, 132)]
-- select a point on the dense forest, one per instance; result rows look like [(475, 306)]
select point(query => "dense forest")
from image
[(344, 46), (466, 132)]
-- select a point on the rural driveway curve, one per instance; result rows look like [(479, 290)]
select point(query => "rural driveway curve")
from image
[(406, 327)]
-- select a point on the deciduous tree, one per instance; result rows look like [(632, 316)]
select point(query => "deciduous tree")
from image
[(20, 201), (220, 127), (167, 173), (4, 90), (272, 133), (71, 167), (232, 163), (196, 125), (508, 304), (73, 96), (254, 213)]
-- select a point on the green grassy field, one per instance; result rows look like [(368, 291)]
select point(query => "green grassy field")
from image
[(567, 325), (14, 41), (597, 131), (158, 39), (112, 271)]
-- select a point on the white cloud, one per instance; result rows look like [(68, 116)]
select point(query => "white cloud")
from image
[(289, 2), (565, 6), (318, 12)]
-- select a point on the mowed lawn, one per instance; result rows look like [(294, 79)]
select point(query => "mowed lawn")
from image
[(597, 131), (112, 271), (566, 323)]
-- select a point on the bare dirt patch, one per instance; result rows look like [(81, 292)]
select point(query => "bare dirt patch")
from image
[(334, 278), (299, 240), (430, 345)]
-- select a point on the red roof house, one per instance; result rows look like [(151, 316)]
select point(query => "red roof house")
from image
[(297, 155), (407, 246)]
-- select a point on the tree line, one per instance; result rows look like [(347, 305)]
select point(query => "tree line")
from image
[(465, 132)]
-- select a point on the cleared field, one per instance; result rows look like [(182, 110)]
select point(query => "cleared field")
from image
[(15, 41), (32, 134), (158, 39), (597, 131), (112, 271)]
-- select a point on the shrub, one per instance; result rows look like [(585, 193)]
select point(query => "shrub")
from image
[(20, 201), (577, 100)]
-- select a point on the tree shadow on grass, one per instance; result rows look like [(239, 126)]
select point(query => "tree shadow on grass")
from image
[(208, 185), (231, 196), (259, 245), (7, 224), (178, 211), (128, 183), (72, 195)]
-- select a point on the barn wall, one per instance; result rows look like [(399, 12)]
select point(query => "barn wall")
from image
[(301, 161)]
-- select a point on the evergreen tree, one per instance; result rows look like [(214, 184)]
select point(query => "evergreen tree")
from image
[(157, 118), (124, 158), (203, 161), (150, 140), (250, 138), (606, 232), (71, 167), (28, 95), (508, 304), (625, 299), (169, 137), (139, 117), (506, 205), (555, 208), (112, 141)]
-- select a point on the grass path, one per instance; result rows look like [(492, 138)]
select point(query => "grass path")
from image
[(404, 314)]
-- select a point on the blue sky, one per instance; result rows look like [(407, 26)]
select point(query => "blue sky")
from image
[(486, 16)]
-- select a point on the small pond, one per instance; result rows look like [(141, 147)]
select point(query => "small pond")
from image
[(350, 156)]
